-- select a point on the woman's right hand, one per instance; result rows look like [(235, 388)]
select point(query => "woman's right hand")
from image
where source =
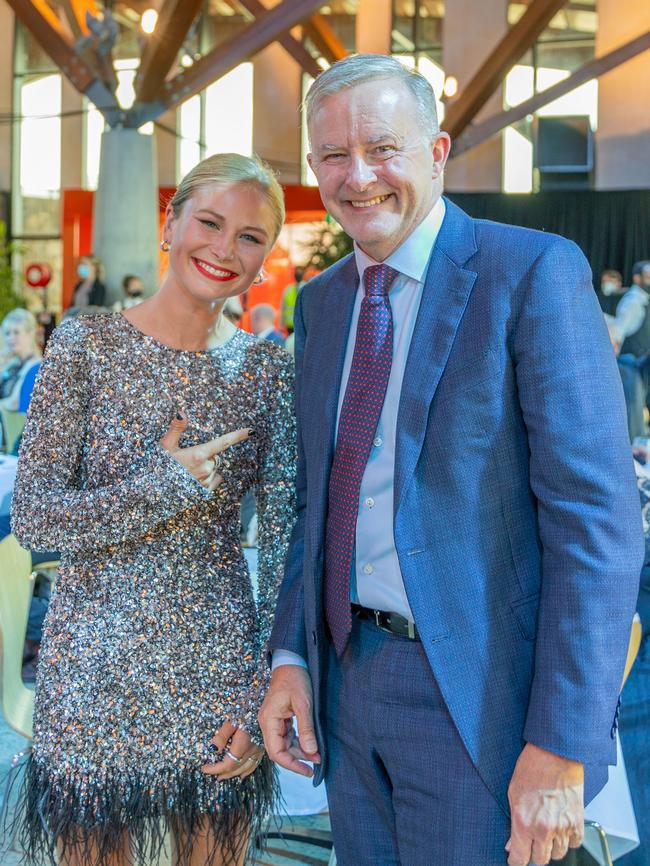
[(201, 461)]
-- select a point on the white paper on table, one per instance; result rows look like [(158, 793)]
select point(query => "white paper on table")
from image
[(613, 810)]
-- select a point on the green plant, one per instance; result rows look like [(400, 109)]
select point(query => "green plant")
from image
[(10, 294), (329, 244)]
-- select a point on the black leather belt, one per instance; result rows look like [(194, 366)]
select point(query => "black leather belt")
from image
[(394, 623)]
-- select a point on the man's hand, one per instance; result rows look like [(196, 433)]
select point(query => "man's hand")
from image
[(546, 797), (290, 694)]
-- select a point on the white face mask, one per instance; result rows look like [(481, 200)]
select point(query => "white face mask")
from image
[(608, 288)]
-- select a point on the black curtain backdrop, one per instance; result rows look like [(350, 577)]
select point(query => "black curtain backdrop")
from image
[(611, 228)]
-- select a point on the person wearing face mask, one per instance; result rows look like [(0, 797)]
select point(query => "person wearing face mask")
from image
[(609, 294), (147, 427), (133, 289), (90, 291), (630, 327)]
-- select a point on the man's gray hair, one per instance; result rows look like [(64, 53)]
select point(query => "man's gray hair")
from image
[(359, 68)]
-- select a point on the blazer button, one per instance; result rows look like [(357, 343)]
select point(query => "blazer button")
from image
[(313, 637)]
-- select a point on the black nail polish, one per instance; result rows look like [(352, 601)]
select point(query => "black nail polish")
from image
[(252, 434), (179, 417)]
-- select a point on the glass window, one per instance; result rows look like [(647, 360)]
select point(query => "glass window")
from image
[(36, 163), (229, 113), (40, 136), (417, 27), (566, 45), (92, 143), (190, 148)]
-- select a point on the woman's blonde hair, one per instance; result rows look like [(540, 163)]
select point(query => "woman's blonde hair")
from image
[(233, 168), (21, 317)]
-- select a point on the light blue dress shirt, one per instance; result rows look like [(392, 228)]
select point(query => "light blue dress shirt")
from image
[(376, 578)]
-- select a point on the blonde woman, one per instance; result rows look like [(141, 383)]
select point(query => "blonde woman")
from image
[(146, 429), (23, 354)]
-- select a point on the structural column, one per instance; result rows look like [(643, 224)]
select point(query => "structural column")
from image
[(72, 126), (471, 30), (373, 26), (623, 136), (125, 216), (277, 89), (6, 103)]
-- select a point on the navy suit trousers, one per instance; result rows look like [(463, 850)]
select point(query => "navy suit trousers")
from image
[(401, 788)]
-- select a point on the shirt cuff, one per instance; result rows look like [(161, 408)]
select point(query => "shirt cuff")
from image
[(286, 657)]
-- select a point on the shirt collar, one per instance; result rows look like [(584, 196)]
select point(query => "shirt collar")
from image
[(412, 256)]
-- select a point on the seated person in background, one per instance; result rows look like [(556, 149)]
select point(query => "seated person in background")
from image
[(610, 291), (263, 324), (133, 291), (90, 291), (24, 357)]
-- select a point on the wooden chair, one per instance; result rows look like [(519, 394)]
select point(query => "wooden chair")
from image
[(16, 585), (12, 426)]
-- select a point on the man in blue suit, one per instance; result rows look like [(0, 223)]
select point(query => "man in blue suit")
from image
[(453, 622)]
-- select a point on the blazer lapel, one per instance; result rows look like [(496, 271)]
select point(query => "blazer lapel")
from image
[(329, 325), (444, 298)]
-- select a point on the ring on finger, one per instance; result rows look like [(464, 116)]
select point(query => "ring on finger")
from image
[(255, 759), (216, 460), (234, 758)]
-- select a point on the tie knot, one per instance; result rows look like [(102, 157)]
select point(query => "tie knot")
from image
[(377, 279)]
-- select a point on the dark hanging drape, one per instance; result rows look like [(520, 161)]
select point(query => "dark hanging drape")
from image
[(611, 228)]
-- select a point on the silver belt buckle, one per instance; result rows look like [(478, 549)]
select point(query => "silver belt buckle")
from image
[(411, 629)]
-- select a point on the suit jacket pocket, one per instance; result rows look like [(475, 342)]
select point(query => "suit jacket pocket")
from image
[(525, 611)]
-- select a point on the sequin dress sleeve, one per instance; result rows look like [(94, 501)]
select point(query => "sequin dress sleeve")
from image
[(275, 493), (275, 497), (56, 504)]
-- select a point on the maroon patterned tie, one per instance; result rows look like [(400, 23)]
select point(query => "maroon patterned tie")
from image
[(362, 403)]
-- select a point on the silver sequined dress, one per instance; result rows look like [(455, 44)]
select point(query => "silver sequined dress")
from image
[(153, 637)]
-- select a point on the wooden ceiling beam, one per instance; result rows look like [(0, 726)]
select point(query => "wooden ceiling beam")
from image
[(75, 12), (295, 48), (231, 53), (50, 34), (320, 31), (163, 45), (519, 38), (593, 69)]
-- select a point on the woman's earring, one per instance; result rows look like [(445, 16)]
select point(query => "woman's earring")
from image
[(259, 278), (164, 246)]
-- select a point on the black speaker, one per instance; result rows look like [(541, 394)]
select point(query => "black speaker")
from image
[(564, 144), (564, 152)]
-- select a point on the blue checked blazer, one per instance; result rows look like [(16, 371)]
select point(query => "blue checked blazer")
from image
[(517, 519)]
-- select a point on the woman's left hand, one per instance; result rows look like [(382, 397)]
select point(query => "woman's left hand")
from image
[(242, 755)]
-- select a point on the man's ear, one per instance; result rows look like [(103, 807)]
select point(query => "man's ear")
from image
[(440, 147), (310, 161)]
